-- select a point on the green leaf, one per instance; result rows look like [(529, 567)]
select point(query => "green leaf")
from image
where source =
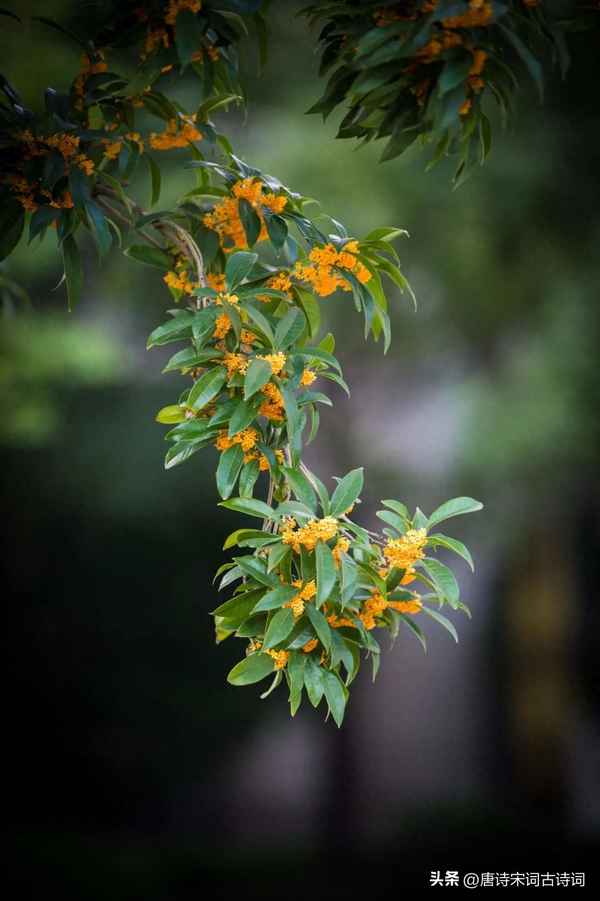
[(456, 507), (277, 230), (414, 628), (320, 625), (250, 506), (155, 179), (151, 256), (533, 65), (289, 328), (241, 417), (349, 578), (277, 553), (261, 322), (171, 414), (254, 567), (228, 470), (455, 72), (326, 572), (238, 266), (207, 387), (181, 452), (393, 520), (444, 580), (301, 487), (313, 679), (335, 694), (279, 628), (452, 544), (295, 668), (239, 606), (250, 221), (189, 357), (311, 310), (347, 491), (258, 374), (252, 669), (189, 34), (443, 620), (173, 330), (100, 229), (73, 270), (248, 476), (276, 598)]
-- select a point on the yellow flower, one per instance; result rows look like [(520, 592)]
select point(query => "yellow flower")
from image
[(308, 377), (179, 281), (272, 408), (222, 326), (224, 218), (405, 551), (216, 281), (342, 547), (228, 298), (307, 536), (177, 134), (319, 272), (412, 606), (277, 361), (235, 363), (306, 593), (247, 439), (310, 645), (136, 138), (280, 658), (112, 149)]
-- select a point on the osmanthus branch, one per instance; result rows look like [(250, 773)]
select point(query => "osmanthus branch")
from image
[(314, 584)]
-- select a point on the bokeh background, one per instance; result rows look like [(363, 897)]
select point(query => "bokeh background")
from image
[(134, 770)]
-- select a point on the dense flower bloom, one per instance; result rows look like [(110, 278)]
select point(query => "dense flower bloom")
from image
[(174, 7), (321, 272), (224, 218), (342, 547), (405, 551), (307, 536), (306, 593), (276, 360), (272, 407), (308, 377), (176, 134), (280, 658)]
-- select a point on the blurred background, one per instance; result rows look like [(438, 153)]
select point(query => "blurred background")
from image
[(134, 769)]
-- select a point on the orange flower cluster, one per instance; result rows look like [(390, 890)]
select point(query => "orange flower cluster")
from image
[(180, 281), (281, 281), (27, 192), (307, 536), (306, 593), (342, 547), (247, 439), (308, 377), (272, 408), (479, 14), (276, 361), (377, 604), (176, 134), (321, 272), (174, 7), (216, 281), (405, 551), (280, 658), (224, 218), (235, 363), (88, 67)]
